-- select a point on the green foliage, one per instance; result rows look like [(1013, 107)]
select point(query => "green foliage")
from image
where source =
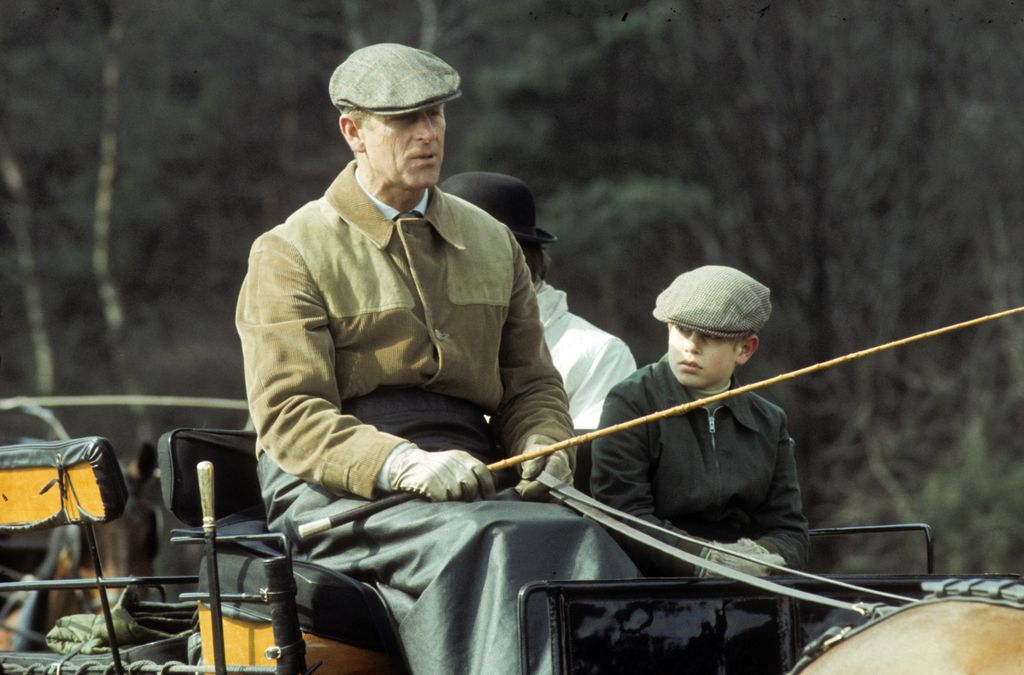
[(975, 502), (650, 227)]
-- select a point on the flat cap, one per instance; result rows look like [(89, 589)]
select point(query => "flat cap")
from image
[(391, 79), (715, 300)]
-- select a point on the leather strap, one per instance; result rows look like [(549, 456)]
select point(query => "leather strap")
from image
[(600, 513)]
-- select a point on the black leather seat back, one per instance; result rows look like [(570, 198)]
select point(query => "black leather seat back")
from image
[(233, 454), (50, 483)]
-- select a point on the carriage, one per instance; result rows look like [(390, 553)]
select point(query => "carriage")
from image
[(252, 609)]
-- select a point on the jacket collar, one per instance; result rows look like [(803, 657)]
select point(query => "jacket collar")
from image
[(552, 303), (352, 204), (741, 406)]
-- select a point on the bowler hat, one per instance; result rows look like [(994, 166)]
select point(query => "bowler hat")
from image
[(715, 300), (391, 79), (506, 198)]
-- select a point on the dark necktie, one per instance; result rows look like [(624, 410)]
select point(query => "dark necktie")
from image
[(408, 214)]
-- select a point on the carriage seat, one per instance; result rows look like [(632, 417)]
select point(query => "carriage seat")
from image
[(330, 605), (70, 482)]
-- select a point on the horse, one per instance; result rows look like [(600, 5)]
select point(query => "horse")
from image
[(127, 547), (964, 626)]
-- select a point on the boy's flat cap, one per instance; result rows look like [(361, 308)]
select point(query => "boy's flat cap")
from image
[(715, 300), (391, 79)]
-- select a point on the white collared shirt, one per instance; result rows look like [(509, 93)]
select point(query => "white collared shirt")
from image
[(389, 211)]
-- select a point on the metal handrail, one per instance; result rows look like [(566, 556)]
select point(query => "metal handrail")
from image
[(925, 528)]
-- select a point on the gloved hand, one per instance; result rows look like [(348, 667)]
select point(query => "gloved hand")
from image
[(444, 475), (559, 464), (747, 547)]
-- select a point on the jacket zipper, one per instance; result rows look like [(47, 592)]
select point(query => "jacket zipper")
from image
[(714, 449)]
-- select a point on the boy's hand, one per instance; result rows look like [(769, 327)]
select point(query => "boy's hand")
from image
[(748, 548)]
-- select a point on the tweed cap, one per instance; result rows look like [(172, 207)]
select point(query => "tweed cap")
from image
[(715, 300), (391, 79)]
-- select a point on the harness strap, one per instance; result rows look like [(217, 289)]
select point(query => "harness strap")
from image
[(598, 512), (708, 545)]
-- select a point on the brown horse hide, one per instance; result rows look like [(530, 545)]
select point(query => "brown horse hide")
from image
[(950, 637)]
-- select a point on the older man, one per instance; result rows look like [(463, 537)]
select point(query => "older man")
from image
[(381, 326)]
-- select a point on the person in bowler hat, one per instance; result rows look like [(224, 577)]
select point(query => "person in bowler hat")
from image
[(589, 359), (391, 343), (724, 472)]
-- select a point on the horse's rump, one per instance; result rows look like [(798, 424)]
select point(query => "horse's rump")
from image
[(940, 634)]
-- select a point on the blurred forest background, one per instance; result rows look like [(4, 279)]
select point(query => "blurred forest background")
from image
[(863, 159)]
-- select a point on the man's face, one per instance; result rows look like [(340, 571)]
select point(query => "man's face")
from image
[(399, 155), (704, 362)]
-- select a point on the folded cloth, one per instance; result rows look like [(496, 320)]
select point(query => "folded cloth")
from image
[(135, 621)]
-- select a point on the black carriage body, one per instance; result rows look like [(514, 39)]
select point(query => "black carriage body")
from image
[(697, 626)]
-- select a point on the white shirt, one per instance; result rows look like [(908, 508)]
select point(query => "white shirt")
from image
[(389, 211), (590, 360)]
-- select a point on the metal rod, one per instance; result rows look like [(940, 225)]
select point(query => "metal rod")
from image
[(225, 597), (105, 582), (206, 497), (925, 528), (126, 399), (108, 618)]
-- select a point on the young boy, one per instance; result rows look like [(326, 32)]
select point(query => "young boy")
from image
[(724, 472)]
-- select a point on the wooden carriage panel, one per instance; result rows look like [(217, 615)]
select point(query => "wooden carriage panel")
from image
[(246, 642), (25, 497)]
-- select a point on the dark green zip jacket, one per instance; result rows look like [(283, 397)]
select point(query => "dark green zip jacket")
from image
[(720, 476)]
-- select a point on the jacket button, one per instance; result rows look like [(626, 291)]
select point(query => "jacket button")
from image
[(441, 335)]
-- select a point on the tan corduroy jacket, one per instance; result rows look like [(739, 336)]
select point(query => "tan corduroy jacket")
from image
[(339, 301)]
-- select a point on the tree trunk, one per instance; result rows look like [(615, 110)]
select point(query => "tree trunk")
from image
[(428, 25), (20, 221), (353, 24), (109, 295)]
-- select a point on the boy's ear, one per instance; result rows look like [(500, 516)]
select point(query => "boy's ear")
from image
[(747, 347)]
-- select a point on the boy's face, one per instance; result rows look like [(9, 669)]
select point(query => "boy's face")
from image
[(701, 361)]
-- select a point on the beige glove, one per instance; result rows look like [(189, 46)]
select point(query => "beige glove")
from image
[(558, 464), (747, 547), (445, 475)]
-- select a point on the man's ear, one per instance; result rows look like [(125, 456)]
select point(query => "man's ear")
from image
[(352, 133), (747, 347)]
